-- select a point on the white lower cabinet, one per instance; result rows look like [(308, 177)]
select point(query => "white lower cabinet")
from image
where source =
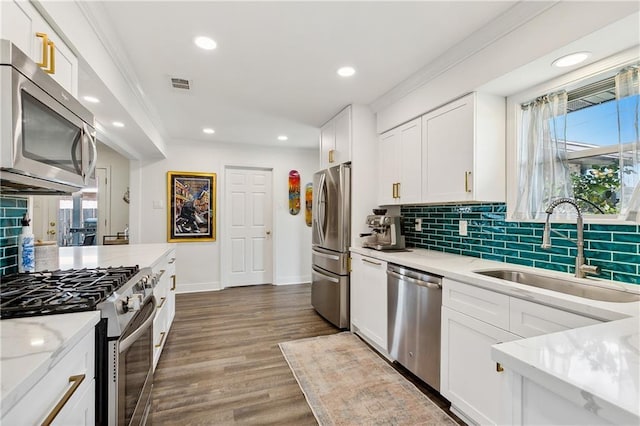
[(369, 299), (473, 320), (470, 379), (165, 294), (529, 319), (65, 395)]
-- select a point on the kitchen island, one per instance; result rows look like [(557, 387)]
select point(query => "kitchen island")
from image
[(561, 353)]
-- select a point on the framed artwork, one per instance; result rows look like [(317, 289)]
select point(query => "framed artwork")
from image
[(191, 200)]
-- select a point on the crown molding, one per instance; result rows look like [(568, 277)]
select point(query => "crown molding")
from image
[(96, 16), (519, 14)]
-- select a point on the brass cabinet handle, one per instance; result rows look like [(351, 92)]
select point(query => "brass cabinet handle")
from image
[(173, 282), (163, 299), (76, 380), (398, 190), (51, 69), (173, 259), (467, 187), (331, 159), (45, 50), (162, 336), (499, 368), (48, 63)]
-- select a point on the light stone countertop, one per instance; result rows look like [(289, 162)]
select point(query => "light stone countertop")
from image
[(30, 347), (143, 255), (601, 361)]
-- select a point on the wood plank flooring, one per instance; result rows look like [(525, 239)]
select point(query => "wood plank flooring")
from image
[(221, 364)]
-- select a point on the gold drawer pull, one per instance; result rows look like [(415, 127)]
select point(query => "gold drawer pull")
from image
[(163, 299), (173, 259), (331, 152), (173, 282), (76, 380), (162, 336), (499, 368)]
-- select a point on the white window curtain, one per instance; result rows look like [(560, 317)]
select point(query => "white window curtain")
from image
[(543, 169), (627, 83)]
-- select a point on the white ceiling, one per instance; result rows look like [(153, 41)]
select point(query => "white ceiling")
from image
[(274, 71)]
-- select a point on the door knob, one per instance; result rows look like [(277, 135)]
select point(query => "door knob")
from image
[(51, 232), (268, 232), (52, 224)]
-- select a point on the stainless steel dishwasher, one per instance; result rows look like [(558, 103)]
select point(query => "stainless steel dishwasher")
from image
[(414, 306)]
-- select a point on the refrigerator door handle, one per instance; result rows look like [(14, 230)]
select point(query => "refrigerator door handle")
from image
[(326, 256), (319, 201), (325, 276)]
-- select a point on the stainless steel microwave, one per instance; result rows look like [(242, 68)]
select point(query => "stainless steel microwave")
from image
[(47, 138)]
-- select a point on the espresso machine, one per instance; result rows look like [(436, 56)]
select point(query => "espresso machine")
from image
[(386, 233)]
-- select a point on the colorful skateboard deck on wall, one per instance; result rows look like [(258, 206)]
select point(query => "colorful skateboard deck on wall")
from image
[(308, 197), (294, 192)]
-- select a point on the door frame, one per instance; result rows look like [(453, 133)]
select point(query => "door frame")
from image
[(225, 259)]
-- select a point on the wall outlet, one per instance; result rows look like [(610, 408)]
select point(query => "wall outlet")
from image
[(462, 228), (418, 224)]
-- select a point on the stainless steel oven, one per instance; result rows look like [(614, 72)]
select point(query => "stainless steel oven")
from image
[(47, 137), (131, 369)]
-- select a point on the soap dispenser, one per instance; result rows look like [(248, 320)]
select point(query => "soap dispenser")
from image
[(26, 250)]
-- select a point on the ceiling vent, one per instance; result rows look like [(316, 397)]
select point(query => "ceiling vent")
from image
[(180, 83)]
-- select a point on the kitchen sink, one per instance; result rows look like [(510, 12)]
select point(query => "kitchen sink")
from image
[(562, 286)]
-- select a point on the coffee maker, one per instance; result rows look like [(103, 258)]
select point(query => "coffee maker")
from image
[(386, 233)]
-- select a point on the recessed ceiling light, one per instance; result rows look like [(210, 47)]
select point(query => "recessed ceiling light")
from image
[(346, 71), (118, 124), (205, 43), (91, 99), (208, 130), (572, 59), (283, 137)]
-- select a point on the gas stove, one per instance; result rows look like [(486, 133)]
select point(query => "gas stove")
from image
[(124, 335), (58, 292)]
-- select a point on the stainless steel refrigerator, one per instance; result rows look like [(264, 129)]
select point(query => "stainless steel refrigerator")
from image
[(330, 243)]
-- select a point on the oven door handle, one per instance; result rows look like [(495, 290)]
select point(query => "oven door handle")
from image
[(130, 340)]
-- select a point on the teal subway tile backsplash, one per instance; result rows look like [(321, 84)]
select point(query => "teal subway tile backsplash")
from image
[(11, 211), (615, 248)]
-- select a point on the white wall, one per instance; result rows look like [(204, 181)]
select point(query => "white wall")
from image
[(119, 169), (199, 263)]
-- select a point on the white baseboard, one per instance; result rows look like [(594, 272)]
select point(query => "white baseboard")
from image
[(197, 287)]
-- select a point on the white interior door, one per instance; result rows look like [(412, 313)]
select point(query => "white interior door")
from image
[(248, 218), (103, 178), (44, 223)]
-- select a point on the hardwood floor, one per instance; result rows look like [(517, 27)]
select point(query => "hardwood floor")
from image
[(222, 365)]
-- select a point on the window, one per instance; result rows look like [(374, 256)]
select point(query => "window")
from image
[(598, 152), (579, 141)]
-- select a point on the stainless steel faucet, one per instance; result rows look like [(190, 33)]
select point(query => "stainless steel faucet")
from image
[(582, 268)]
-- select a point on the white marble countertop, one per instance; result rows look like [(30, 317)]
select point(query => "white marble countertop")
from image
[(600, 361), (143, 255), (30, 347)]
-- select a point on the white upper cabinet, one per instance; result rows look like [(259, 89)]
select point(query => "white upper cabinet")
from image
[(399, 164), (463, 151), (21, 23), (335, 140)]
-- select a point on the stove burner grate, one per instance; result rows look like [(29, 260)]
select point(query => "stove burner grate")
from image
[(62, 291)]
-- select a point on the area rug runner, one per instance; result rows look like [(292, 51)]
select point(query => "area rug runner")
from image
[(346, 383)]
